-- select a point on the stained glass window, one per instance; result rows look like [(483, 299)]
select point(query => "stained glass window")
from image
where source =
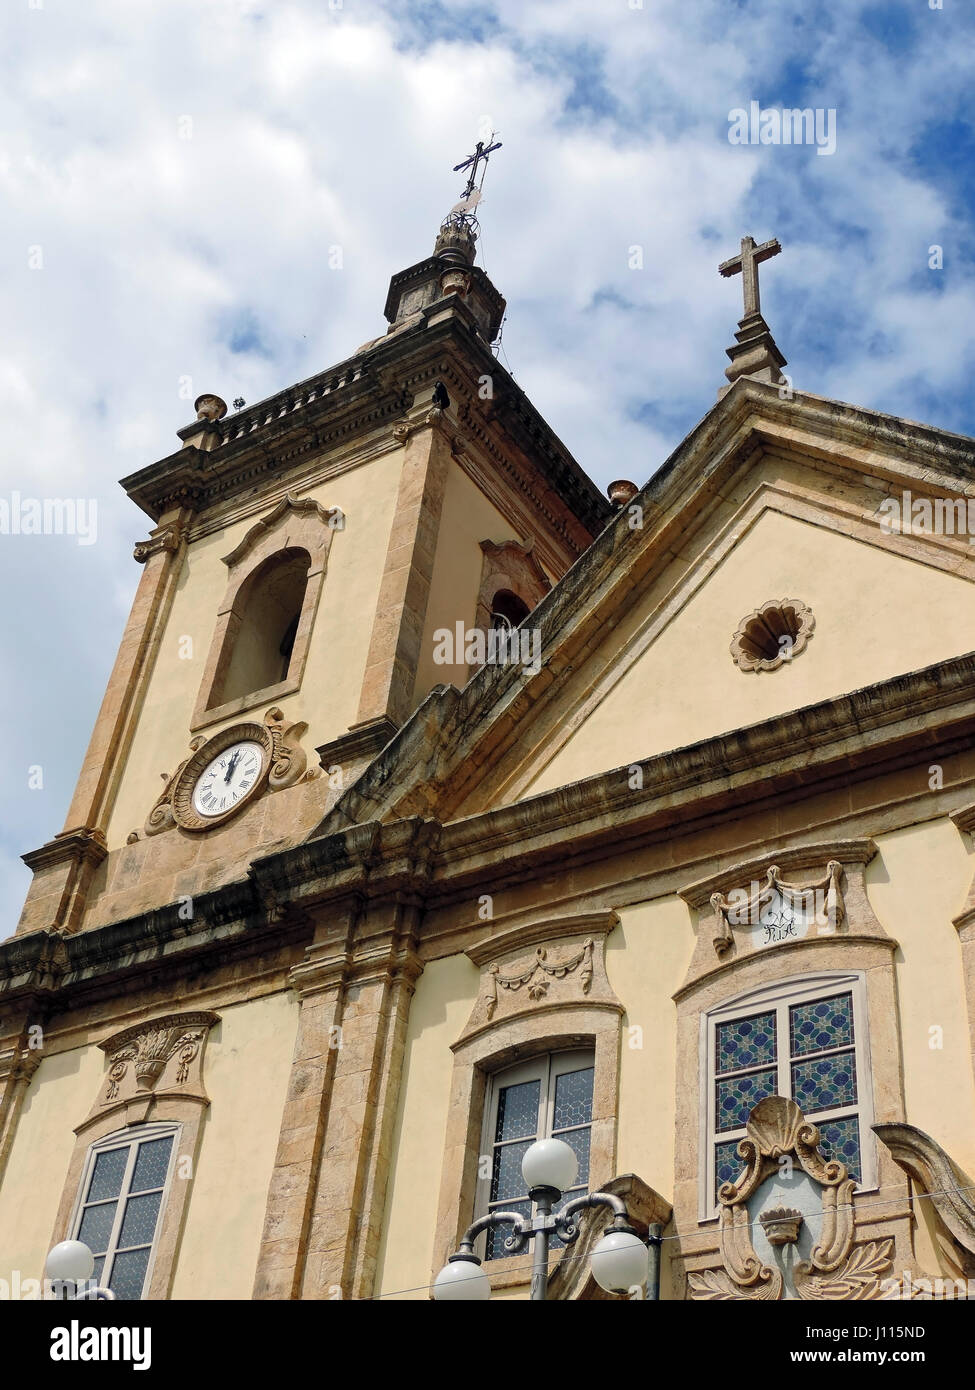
[(119, 1215), (551, 1096), (804, 1047)]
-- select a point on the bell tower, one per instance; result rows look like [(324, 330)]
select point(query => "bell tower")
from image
[(303, 552)]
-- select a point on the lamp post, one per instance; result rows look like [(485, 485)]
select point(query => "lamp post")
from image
[(71, 1262), (619, 1262)]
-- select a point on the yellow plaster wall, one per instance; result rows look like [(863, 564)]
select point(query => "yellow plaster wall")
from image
[(877, 614), (647, 957), (329, 696), (468, 518), (916, 884), (247, 1065), (445, 995), (59, 1097)]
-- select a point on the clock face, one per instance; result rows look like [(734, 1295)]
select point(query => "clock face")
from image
[(226, 781)]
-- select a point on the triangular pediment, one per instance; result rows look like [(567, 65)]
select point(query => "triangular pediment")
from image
[(767, 500)]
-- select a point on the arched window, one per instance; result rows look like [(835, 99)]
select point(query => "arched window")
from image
[(264, 623), (264, 626), (549, 1096), (123, 1192), (508, 610)]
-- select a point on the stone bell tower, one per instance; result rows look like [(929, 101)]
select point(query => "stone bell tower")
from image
[(302, 553)]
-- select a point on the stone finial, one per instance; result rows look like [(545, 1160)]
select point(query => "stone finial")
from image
[(621, 492), (210, 408)]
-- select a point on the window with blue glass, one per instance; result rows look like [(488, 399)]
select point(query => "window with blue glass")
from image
[(800, 1039), (123, 1192), (550, 1096)]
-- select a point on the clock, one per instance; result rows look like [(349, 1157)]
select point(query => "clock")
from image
[(225, 781), (223, 776)]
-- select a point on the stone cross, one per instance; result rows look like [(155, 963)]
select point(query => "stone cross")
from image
[(472, 161), (746, 264)]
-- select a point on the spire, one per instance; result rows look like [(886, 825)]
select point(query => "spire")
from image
[(451, 269), (755, 354)]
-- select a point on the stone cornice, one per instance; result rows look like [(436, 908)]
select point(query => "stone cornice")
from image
[(919, 715), (813, 855), (338, 406)]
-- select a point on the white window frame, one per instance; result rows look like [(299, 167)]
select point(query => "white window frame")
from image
[(129, 1138), (545, 1068), (778, 997)]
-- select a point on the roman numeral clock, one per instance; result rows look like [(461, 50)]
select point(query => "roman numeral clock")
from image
[(227, 772)]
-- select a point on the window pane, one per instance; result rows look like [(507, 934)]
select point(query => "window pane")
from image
[(578, 1139), (824, 1023), (727, 1164), (151, 1165), (745, 1042), (825, 1082), (506, 1180), (737, 1096), (496, 1236), (139, 1221), (96, 1273), (573, 1098), (518, 1111), (129, 1273), (841, 1140), (107, 1174), (96, 1227)]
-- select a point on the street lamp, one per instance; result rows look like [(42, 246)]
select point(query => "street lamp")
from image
[(71, 1262), (619, 1261)]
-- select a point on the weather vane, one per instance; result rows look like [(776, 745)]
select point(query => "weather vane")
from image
[(471, 196)]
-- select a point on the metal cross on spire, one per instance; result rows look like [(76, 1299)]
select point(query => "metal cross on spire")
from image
[(481, 151), (746, 264)]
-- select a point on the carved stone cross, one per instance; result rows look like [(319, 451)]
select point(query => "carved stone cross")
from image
[(746, 264)]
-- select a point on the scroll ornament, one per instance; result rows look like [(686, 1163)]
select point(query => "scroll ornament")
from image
[(837, 1269), (537, 977), (821, 900)]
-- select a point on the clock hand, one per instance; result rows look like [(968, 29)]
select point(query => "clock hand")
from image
[(231, 765)]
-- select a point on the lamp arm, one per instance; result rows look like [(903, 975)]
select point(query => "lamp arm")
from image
[(514, 1243), (568, 1227)]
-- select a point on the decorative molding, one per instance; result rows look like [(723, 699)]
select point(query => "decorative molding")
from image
[(565, 970), (752, 908), (947, 1191), (539, 974), (163, 538), (362, 742), (167, 1049), (305, 508), (819, 903), (771, 635), (572, 1277), (837, 1269)]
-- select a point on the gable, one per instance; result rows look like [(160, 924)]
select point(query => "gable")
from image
[(878, 613)]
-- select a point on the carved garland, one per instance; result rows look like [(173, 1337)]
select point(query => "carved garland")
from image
[(539, 974), (747, 911), (836, 1269)]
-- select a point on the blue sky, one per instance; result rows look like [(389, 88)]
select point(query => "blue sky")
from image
[(185, 167)]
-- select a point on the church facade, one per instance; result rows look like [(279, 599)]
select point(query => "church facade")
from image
[(437, 804)]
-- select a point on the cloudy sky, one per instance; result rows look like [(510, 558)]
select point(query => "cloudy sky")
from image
[(174, 173)]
